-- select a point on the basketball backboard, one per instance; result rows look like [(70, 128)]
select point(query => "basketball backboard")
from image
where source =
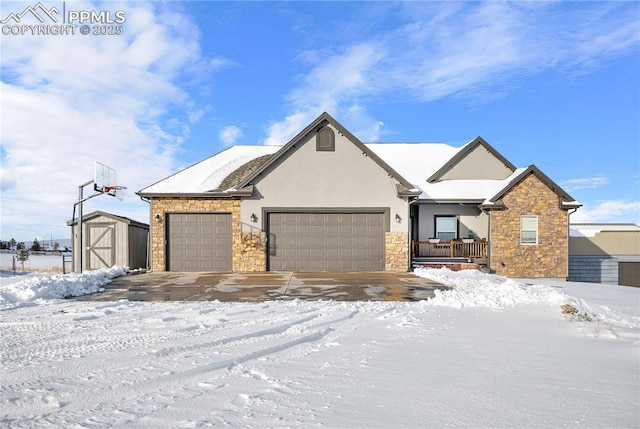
[(104, 180)]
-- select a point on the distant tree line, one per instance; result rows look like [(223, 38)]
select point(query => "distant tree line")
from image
[(35, 246)]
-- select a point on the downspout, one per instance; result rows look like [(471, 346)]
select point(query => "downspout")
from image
[(148, 256), (409, 218), (488, 212), (569, 213)]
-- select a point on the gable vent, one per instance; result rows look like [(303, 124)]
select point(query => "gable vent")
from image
[(325, 140)]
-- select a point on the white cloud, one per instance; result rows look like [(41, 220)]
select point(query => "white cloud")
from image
[(474, 51), (229, 135), (585, 183), (614, 211), (68, 101)]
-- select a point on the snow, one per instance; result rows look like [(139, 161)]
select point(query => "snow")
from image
[(591, 229), (33, 288), (208, 174), (47, 262), (491, 352), (416, 162)]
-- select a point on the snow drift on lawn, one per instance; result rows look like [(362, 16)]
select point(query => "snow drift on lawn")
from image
[(473, 288), (32, 288)]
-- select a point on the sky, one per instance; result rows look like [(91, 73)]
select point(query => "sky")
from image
[(552, 84)]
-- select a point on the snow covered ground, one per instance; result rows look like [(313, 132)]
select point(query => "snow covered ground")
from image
[(493, 352), (36, 262)]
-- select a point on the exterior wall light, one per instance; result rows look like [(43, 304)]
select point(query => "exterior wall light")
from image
[(158, 218), (398, 218), (254, 218)]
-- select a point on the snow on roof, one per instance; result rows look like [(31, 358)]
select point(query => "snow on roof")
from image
[(466, 189), (591, 229), (209, 173), (414, 161)]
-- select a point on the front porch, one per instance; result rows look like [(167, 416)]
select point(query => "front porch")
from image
[(469, 249), (454, 254)]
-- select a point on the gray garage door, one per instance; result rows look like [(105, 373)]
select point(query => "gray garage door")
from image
[(326, 241), (199, 242)]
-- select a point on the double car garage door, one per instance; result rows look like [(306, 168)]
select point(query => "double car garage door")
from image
[(296, 242), (326, 241)]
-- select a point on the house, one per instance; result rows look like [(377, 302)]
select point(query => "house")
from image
[(605, 253), (327, 201), (109, 240)]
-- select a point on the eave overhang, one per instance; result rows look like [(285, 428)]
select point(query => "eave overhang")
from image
[(247, 191), (472, 201)]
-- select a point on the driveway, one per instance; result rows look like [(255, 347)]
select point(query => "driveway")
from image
[(235, 287)]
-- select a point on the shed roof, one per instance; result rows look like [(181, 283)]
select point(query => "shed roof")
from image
[(117, 218)]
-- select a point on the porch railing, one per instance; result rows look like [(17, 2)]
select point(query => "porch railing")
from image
[(450, 249)]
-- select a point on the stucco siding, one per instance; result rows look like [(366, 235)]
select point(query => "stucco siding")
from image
[(307, 178), (470, 218), (478, 164)]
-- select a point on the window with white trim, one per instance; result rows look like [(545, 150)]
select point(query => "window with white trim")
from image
[(529, 229), (446, 228)]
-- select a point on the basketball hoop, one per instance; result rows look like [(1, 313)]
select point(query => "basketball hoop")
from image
[(113, 191), (108, 189)]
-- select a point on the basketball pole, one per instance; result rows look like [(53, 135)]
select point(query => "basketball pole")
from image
[(101, 186)]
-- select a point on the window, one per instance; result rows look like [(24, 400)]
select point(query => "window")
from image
[(529, 229), (325, 140), (446, 228)]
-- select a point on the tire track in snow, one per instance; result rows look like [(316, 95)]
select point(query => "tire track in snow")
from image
[(70, 399)]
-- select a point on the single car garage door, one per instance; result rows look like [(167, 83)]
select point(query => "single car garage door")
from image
[(199, 242), (326, 241)]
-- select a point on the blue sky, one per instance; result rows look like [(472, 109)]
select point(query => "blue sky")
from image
[(551, 84)]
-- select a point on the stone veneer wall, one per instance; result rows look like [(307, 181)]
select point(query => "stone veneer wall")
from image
[(253, 256), (248, 248), (549, 258), (396, 251)]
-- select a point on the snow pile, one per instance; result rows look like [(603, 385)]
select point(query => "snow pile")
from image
[(473, 288), (56, 286)]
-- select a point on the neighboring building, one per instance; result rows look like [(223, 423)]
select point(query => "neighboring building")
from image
[(327, 201), (605, 253), (110, 240)]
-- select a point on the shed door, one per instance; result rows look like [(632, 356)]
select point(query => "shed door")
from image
[(326, 241), (629, 273), (100, 245), (199, 242)]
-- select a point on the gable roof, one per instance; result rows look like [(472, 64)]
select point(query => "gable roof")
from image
[(567, 200), (464, 152), (417, 168), (321, 121)]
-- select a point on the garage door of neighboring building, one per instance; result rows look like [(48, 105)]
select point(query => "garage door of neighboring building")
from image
[(629, 273), (326, 241), (199, 242)]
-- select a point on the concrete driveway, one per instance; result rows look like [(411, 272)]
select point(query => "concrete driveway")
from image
[(236, 287)]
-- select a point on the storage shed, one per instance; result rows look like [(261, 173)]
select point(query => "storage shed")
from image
[(109, 240), (605, 253)]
